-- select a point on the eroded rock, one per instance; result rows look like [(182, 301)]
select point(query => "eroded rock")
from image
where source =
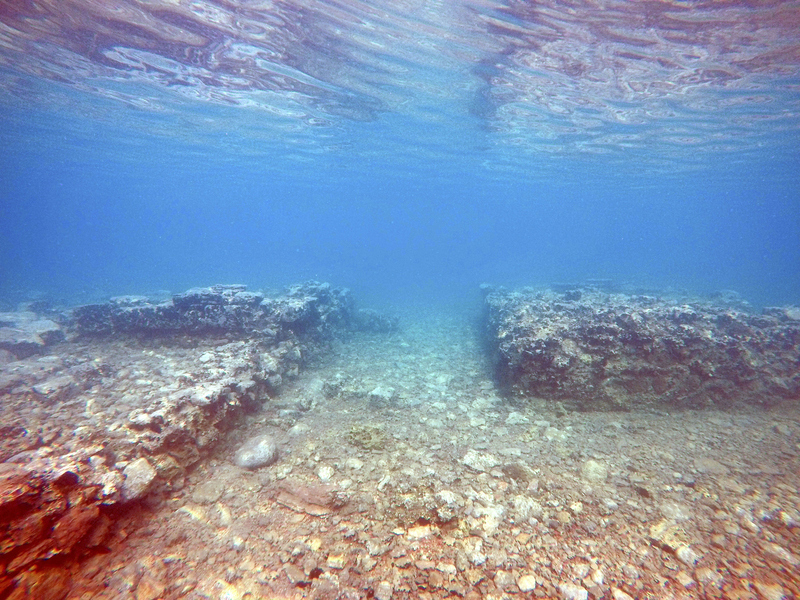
[(258, 451), (139, 391), (614, 351)]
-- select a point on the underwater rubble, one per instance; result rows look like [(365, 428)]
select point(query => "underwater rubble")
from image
[(590, 349), (411, 477), (283, 447), (121, 398)]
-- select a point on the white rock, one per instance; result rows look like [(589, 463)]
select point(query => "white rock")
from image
[(325, 473), (526, 583), (594, 471), (525, 508), (686, 555), (354, 463), (781, 553), (420, 532), (581, 570), (553, 434), (479, 461), (620, 595), (382, 395), (711, 466), (258, 451), (139, 475), (573, 592), (516, 418), (770, 592), (448, 497), (675, 511), (510, 452), (237, 543), (384, 591), (504, 580), (298, 429)]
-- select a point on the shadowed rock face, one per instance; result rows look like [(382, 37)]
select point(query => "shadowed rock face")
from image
[(602, 351)]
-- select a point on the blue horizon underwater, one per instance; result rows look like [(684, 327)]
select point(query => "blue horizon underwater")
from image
[(474, 147)]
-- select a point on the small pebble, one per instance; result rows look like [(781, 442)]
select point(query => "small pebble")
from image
[(258, 451), (685, 580), (336, 561), (594, 471), (526, 583), (770, 591), (237, 543), (573, 592), (686, 555), (325, 473), (630, 571), (782, 428), (384, 591)]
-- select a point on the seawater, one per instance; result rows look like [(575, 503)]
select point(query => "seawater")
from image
[(410, 151)]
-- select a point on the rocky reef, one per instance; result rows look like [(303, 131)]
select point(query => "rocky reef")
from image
[(119, 399), (304, 309), (589, 349)]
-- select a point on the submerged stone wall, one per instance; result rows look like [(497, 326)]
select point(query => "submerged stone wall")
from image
[(125, 396), (310, 308), (594, 350)]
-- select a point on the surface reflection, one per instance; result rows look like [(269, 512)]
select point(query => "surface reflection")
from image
[(555, 76)]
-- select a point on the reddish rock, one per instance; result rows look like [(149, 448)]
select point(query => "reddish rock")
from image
[(45, 584), (73, 526), (17, 485)]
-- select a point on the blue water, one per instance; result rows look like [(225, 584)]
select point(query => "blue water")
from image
[(409, 151)]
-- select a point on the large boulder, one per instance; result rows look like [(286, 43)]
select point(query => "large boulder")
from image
[(596, 350)]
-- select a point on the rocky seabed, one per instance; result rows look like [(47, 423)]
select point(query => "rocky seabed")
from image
[(229, 444)]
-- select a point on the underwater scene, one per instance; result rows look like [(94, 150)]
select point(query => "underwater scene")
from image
[(421, 299)]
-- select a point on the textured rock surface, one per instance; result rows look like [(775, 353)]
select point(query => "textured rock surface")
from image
[(48, 508), (138, 394), (258, 451), (599, 351), (139, 476), (24, 333)]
